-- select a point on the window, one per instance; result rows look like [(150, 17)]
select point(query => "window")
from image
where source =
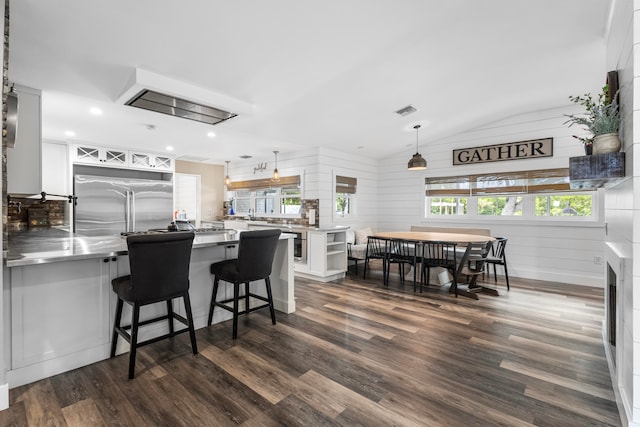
[(530, 194), (345, 195), (500, 206), (241, 201), (262, 197), (290, 200), (266, 201), (571, 205), (447, 205)]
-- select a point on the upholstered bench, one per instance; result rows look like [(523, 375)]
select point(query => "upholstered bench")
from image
[(357, 245), (463, 230)]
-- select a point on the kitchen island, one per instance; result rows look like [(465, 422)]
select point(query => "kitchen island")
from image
[(59, 305)]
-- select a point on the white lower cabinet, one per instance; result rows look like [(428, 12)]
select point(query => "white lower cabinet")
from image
[(326, 255), (59, 313)]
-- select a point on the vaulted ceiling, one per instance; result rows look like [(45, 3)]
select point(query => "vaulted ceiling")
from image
[(301, 74)]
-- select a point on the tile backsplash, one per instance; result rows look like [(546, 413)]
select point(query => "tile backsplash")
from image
[(23, 213)]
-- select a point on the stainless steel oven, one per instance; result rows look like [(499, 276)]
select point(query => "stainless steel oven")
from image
[(299, 245)]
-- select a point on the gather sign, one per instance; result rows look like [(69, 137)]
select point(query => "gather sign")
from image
[(509, 151)]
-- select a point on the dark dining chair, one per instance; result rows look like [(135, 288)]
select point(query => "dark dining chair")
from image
[(403, 252), (437, 254), (159, 265), (498, 257), (470, 266), (256, 250), (377, 248)]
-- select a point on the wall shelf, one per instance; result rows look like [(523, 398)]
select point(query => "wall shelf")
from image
[(596, 171)]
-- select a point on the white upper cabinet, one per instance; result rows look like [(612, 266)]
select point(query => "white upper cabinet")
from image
[(24, 160), (56, 175), (100, 156), (119, 158), (150, 161)]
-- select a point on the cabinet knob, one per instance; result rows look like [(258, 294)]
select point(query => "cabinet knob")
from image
[(114, 259), (105, 260)]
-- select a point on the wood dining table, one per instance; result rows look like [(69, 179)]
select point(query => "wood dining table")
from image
[(434, 236), (460, 239)]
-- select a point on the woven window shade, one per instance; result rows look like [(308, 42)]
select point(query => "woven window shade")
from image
[(257, 184), (525, 182), (345, 184)]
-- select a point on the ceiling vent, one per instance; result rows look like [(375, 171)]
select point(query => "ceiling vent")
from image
[(177, 107), (407, 110)]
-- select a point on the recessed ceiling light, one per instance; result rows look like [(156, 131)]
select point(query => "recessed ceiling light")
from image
[(211, 134), (169, 148), (95, 111), (70, 133)]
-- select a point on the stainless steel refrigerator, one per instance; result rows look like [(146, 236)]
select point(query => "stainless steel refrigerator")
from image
[(110, 205)]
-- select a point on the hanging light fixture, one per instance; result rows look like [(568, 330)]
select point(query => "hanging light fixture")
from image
[(417, 162), (227, 180), (276, 174)]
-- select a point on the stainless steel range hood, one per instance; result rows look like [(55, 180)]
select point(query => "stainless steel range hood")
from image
[(154, 101), (155, 92)]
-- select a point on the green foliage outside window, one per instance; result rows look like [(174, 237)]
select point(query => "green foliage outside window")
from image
[(448, 205), (564, 205), (500, 206), (343, 204)]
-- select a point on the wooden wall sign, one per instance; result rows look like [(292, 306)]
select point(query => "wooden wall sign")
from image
[(509, 151)]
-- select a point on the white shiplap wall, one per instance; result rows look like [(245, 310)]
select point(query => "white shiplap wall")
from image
[(622, 209), (317, 168), (555, 251)]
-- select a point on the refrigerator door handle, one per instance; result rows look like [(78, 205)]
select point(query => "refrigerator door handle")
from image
[(127, 210), (133, 210)]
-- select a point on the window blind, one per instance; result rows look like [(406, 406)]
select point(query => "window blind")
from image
[(257, 184), (345, 184), (524, 182)]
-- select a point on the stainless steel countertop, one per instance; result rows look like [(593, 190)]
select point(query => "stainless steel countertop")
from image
[(51, 245)]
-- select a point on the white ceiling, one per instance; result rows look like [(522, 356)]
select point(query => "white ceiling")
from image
[(325, 73)]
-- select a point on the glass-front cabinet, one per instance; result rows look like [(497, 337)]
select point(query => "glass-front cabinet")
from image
[(100, 155), (150, 161), (116, 157)]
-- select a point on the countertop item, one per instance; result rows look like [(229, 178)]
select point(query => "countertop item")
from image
[(52, 245)]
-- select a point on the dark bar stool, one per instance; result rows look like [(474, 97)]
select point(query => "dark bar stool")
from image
[(256, 250), (159, 265)]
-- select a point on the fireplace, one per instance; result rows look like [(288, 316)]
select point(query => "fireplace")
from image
[(612, 310), (613, 329)]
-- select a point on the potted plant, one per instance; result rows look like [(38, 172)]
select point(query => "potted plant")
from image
[(602, 120)]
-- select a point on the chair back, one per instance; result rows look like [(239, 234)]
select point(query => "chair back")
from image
[(256, 250), (473, 260), (377, 247), (159, 265), (403, 250), (439, 254), (497, 250)]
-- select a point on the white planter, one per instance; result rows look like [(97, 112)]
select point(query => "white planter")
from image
[(607, 143)]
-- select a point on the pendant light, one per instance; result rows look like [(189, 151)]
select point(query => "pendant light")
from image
[(276, 174), (417, 162), (227, 180)]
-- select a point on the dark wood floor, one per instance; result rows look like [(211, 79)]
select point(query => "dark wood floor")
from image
[(356, 353)]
